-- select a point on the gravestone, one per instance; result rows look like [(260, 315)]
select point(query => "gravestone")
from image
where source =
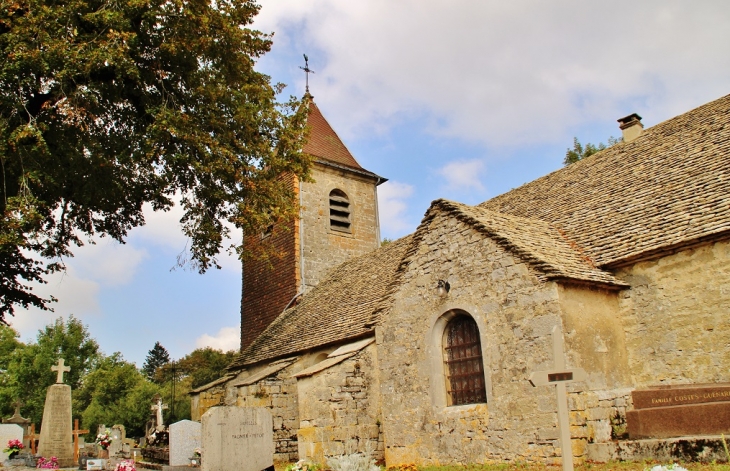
[(56, 437), (118, 434), (9, 432), (17, 419), (185, 437), (679, 410), (237, 438)]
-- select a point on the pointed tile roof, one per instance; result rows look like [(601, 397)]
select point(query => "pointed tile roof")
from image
[(325, 145)]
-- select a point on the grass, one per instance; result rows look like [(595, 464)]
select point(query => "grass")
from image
[(612, 466)]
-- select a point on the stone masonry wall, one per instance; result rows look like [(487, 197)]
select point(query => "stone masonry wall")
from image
[(515, 313), (339, 409), (676, 317), (278, 393), (324, 248)]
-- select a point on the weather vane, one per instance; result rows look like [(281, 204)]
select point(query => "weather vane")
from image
[(307, 70)]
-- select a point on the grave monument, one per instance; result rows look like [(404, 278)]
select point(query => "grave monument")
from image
[(56, 437), (8, 432), (184, 439), (239, 438), (17, 419), (680, 410)]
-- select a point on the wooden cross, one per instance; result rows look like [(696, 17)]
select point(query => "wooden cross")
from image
[(60, 369), (76, 433), (31, 436), (559, 376)]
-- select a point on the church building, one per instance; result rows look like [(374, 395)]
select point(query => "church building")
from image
[(421, 351)]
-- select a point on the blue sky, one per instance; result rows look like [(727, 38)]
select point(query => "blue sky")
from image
[(461, 100)]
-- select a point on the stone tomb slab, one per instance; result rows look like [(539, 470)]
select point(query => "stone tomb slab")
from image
[(680, 410), (185, 437), (56, 437), (237, 438), (9, 432)]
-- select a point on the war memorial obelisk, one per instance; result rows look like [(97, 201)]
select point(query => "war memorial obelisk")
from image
[(56, 437)]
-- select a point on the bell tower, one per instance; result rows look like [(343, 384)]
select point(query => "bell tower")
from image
[(338, 220)]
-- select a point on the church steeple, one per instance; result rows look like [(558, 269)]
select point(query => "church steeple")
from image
[(338, 220)]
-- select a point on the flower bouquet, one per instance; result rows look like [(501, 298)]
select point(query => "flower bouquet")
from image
[(47, 464), (14, 447), (104, 439), (125, 465)]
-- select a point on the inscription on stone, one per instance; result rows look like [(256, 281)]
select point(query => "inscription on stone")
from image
[(677, 410), (237, 438), (56, 437)]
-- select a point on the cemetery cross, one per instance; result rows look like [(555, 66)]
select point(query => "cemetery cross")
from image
[(60, 368), (559, 376), (32, 437), (158, 408), (76, 432)]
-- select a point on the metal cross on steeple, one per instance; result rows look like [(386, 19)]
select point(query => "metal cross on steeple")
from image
[(306, 70)]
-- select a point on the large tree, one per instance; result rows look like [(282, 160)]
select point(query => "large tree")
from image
[(156, 358), (29, 373), (109, 104)]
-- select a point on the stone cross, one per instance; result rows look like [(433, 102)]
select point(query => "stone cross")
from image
[(60, 368), (76, 432), (559, 376), (17, 405), (158, 408)]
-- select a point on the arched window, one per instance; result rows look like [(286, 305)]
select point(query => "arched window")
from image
[(339, 211), (463, 362)]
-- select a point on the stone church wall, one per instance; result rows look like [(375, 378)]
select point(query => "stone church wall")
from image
[(515, 313), (676, 317), (278, 393), (324, 248), (339, 409)]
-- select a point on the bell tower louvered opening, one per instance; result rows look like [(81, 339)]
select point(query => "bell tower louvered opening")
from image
[(339, 211)]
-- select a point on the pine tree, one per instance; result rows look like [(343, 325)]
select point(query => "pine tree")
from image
[(156, 358)]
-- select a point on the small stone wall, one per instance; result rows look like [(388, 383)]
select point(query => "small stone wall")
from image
[(339, 409), (278, 393)]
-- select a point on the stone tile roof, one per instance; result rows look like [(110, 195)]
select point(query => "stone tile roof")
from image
[(667, 188), (338, 308), (538, 243)]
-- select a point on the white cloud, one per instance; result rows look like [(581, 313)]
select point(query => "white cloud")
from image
[(505, 73), (463, 175), (228, 338), (393, 208), (76, 295)]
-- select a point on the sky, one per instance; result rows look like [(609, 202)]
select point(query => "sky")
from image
[(453, 99)]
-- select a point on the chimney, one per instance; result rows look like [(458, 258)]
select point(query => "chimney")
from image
[(631, 127)]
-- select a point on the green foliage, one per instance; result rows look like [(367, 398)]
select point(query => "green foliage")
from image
[(579, 152), (204, 365), (29, 372), (156, 358), (109, 104), (10, 346), (385, 241), (115, 392)]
